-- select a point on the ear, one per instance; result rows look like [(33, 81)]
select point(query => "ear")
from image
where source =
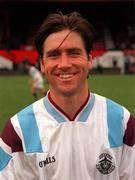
[(90, 61), (42, 66)]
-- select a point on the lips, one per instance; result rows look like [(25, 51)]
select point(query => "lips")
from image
[(65, 76)]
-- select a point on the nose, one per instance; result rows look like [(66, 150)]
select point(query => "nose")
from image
[(64, 61)]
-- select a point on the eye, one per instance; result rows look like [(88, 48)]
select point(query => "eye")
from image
[(75, 53), (53, 55)]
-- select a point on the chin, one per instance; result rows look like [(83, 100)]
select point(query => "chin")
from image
[(68, 93)]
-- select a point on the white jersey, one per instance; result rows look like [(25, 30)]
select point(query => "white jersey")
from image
[(36, 77), (41, 143)]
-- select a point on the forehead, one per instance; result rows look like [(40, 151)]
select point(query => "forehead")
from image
[(64, 38)]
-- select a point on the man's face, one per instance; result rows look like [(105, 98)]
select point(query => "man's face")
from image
[(65, 63)]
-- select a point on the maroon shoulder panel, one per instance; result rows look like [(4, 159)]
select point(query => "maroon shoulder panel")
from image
[(11, 138), (129, 137)]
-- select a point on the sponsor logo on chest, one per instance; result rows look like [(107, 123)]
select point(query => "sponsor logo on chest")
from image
[(47, 161)]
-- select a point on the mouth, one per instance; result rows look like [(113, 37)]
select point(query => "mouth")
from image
[(66, 76)]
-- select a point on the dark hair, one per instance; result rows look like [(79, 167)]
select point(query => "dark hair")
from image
[(57, 22)]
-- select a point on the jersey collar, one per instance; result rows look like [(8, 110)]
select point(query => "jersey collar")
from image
[(59, 115)]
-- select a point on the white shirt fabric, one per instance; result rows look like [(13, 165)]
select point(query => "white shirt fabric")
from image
[(47, 146)]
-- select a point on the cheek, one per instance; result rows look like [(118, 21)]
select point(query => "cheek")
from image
[(47, 69), (85, 66), (44, 67)]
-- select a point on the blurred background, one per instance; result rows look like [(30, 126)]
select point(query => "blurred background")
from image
[(113, 74)]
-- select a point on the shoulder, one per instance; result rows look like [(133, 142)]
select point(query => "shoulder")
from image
[(29, 113), (119, 120), (113, 107), (115, 112), (25, 116), (20, 126)]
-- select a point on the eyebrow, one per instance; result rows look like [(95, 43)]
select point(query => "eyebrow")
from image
[(52, 51), (74, 49), (57, 50)]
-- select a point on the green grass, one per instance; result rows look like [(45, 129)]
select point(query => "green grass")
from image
[(15, 93)]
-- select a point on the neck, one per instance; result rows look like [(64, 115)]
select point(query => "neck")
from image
[(70, 104)]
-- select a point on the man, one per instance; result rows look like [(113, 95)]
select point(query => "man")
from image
[(36, 81), (70, 134)]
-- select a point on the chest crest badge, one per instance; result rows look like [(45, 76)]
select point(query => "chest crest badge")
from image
[(105, 164)]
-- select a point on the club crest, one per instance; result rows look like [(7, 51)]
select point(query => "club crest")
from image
[(105, 164)]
